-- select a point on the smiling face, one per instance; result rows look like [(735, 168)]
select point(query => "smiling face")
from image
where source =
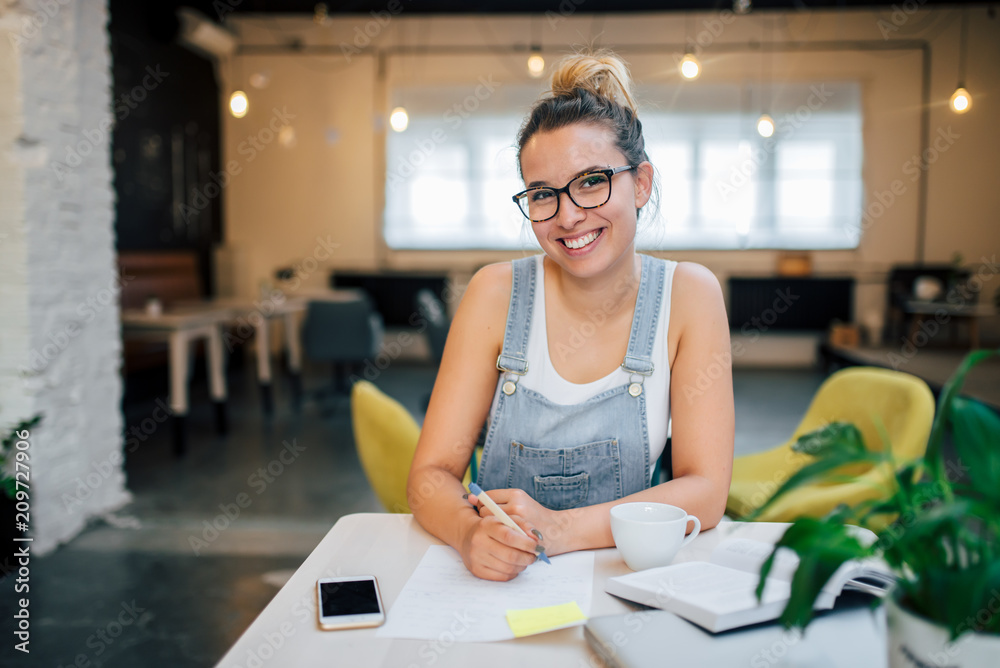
[(585, 242)]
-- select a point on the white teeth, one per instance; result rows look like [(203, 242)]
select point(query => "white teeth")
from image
[(582, 241)]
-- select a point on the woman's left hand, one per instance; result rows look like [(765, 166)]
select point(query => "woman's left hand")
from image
[(550, 523)]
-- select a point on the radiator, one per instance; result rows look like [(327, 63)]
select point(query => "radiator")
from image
[(789, 304)]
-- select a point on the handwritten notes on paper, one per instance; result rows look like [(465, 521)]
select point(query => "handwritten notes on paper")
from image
[(443, 597)]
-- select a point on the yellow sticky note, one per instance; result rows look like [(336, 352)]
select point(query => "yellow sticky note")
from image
[(539, 620)]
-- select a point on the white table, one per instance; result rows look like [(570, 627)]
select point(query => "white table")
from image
[(255, 317), (390, 546), (179, 327)]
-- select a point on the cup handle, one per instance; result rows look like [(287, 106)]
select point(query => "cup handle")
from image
[(694, 532)]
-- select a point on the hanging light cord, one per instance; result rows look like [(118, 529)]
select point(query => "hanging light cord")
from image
[(766, 56), (963, 41)]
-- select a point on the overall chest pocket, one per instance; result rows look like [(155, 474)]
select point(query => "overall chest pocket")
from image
[(561, 478)]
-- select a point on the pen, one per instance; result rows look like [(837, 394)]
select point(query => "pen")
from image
[(500, 514)]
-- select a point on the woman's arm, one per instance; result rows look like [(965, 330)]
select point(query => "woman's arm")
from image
[(459, 405), (701, 403)]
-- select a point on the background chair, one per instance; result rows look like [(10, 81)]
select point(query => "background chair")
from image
[(871, 399), (435, 317), (343, 333), (433, 312), (386, 435)]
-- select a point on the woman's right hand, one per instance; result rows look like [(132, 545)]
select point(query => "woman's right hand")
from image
[(493, 551)]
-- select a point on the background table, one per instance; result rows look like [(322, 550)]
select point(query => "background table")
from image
[(179, 327), (942, 312), (390, 547)]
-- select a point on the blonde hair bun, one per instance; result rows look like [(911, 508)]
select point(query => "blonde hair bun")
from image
[(602, 73)]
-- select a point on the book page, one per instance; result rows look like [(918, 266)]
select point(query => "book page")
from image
[(749, 555), (443, 599), (709, 586)]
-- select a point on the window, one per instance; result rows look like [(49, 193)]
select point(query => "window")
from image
[(451, 175)]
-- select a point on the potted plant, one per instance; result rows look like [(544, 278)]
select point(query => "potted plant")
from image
[(8, 494), (942, 537)]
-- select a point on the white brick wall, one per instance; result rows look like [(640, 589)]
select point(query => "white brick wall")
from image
[(60, 338)]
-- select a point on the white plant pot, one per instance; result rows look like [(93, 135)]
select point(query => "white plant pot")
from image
[(916, 642)]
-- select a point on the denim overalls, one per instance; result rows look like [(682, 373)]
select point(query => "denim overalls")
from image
[(576, 455)]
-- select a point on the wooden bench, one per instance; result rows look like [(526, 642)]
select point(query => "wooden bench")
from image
[(171, 277)]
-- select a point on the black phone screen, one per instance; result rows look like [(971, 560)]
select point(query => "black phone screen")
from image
[(349, 597)]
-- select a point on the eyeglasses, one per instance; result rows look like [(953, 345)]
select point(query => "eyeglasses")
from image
[(588, 191)]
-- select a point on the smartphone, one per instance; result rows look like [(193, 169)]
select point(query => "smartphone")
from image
[(349, 602)]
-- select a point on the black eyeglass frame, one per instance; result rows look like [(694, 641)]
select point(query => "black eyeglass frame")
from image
[(609, 172)]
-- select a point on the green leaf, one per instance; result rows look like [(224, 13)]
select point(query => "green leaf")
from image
[(976, 430), (989, 588), (934, 456), (821, 469), (823, 545), (834, 438)]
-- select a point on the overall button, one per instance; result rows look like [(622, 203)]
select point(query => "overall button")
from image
[(635, 389), (509, 387)]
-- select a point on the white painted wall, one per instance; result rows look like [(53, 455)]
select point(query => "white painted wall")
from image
[(60, 339)]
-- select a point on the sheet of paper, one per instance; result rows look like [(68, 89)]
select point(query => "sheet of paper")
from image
[(443, 601), (541, 620)]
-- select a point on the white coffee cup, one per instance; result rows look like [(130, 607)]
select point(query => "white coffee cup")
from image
[(650, 534)]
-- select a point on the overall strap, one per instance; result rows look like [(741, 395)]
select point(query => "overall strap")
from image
[(514, 356), (639, 356)]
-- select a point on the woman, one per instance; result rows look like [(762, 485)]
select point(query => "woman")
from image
[(574, 359)]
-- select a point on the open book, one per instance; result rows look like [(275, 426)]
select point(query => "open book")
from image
[(719, 594)]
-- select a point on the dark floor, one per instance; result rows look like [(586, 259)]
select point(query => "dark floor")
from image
[(156, 584)]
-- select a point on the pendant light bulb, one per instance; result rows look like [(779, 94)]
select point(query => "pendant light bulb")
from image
[(399, 119), (961, 101), (239, 104), (765, 126), (536, 65), (690, 67)]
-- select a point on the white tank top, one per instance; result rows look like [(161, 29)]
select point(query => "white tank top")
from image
[(543, 377)]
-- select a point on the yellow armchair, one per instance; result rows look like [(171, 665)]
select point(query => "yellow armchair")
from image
[(386, 435), (869, 398)]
